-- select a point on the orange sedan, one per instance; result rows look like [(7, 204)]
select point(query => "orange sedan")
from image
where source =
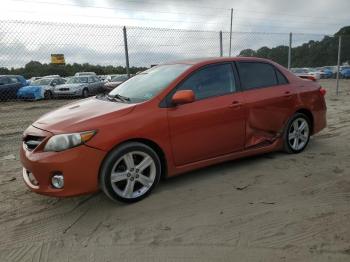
[(168, 120)]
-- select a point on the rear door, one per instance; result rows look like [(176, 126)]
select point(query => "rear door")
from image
[(270, 101), (214, 123), (92, 84)]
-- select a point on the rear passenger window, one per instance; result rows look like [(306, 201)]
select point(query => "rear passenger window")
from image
[(214, 80), (4, 80), (255, 75), (282, 80), (14, 80)]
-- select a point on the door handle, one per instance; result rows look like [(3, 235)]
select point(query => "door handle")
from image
[(235, 104), (287, 94)]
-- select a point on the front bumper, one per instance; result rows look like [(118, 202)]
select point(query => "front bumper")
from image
[(67, 93), (79, 165)]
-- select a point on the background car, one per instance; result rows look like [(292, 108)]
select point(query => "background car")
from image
[(115, 81), (40, 89), (79, 86), (324, 72), (345, 72), (85, 74), (306, 73), (109, 77), (9, 85), (313, 72)]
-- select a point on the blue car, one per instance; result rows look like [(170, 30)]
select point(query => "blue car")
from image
[(345, 73), (9, 86), (40, 89), (327, 73)]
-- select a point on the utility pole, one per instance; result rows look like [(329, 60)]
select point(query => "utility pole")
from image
[(231, 32), (339, 61), (290, 51), (221, 51), (126, 51)]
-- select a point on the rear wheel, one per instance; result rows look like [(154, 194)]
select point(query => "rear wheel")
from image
[(297, 134), (85, 93), (130, 172)]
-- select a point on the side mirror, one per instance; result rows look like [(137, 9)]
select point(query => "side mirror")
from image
[(183, 97)]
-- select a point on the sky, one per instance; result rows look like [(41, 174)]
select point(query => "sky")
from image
[(90, 30)]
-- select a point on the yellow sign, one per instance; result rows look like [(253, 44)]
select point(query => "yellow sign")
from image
[(57, 59)]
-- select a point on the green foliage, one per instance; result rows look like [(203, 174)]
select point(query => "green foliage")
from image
[(310, 54), (35, 68)]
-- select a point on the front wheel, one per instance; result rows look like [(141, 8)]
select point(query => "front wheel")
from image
[(130, 172), (48, 94), (297, 134)]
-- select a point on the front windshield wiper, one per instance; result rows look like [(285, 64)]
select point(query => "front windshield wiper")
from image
[(119, 98)]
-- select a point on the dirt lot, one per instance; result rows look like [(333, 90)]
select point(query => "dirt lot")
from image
[(274, 207)]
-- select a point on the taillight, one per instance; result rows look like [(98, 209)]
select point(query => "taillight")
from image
[(323, 91)]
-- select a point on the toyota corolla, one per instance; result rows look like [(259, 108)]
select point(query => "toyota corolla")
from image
[(168, 120)]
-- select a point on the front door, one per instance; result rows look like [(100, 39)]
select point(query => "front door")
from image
[(214, 124)]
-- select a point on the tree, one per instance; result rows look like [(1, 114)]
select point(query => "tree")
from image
[(310, 54)]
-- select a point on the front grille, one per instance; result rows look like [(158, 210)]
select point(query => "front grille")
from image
[(64, 89), (32, 142)]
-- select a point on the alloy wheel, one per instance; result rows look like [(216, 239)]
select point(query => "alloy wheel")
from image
[(298, 134), (133, 174)]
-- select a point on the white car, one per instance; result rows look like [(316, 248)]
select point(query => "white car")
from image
[(85, 74), (305, 72), (313, 72)]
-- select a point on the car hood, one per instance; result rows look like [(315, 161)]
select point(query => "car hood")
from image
[(29, 88), (84, 115)]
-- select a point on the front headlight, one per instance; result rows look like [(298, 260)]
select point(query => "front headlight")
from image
[(62, 142)]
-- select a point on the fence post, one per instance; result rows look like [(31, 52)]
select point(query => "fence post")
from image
[(126, 51), (221, 50), (338, 65), (229, 53), (290, 50)]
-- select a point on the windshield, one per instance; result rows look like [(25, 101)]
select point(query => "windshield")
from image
[(77, 80), (41, 82), (149, 83)]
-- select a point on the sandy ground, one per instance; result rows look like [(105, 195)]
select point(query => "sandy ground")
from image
[(274, 207)]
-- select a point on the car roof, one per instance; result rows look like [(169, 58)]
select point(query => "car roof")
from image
[(210, 60), (10, 75)]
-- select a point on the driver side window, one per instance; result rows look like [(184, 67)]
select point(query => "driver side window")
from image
[(211, 81)]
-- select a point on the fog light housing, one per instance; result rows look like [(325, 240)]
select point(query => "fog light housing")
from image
[(57, 181), (32, 179)]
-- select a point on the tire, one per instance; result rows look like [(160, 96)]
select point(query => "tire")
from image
[(48, 94), (85, 93), (297, 134), (132, 182)]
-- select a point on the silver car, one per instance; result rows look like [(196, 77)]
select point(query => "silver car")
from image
[(81, 86)]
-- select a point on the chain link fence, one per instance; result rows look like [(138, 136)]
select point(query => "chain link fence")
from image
[(28, 51)]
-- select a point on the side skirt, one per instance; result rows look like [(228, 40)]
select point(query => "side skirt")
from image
[(275, 146)]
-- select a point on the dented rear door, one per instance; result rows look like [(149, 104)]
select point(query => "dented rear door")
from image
[(269, 103)]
